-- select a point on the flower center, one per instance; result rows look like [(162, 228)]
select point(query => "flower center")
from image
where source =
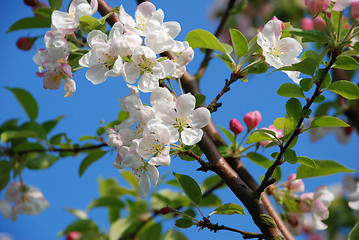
[(182, 122), (107, 59), (276, 50), (141, 22), (146, 65)]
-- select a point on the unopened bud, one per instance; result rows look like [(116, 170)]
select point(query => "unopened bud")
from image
[(307, 23), (25, 43), (354, 9), (235, 126), (319, 23), (293, 184), (73, 235), (348, 130), (281, 23), (166, 210), (31, 3), (317, 6), (252, 119)]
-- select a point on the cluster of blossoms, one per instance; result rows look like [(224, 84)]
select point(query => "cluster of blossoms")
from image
[(279, 52), (123, 52), (296, 206), (55, 57), (25, 199), (149, 131)]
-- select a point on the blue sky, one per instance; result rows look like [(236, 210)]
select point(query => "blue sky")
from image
[(91, 104)]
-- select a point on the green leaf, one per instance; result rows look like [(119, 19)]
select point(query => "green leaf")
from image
[(30, 22), (294, 112), (258, 68), (43, 12), (77, 212), (190, 187), (130, 178), (319, 99), (172, 234), (229, 209), (51, 124), (279, 123), (25, 146), (268, 220), (310, 54), (119, 227), (239, 43), (354, 233), (257, 136), (306, 161), (228, 134), (150, 231), (306, 84), (346, 89), (55, 4), (41, 162), (328, 121), (290, 156), (228, 48), (89, 22), (259, 159), (82, 226), (210, 182), (307, 66), (109, 201), (210, 200), (35, 127), (92, 157), (346, 63), (290, 90), (199, 38), (9, 135), (83, 138), (309, 35), (200, 98), (5, 169), (27, 102), (184, 222), (323, 168), (227, 59)]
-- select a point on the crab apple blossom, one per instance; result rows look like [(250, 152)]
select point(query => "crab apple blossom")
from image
[(295, 222), (103, 60), (340, 5), (293, 184), (182, 60), (317, 6), (321, 201), (278, 133), (145, 65), (68, 22), (354, 10), (235, 126), (279, 52), (252, 119), (279, 21), (183, 121)]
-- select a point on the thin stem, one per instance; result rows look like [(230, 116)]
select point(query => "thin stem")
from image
[(349, 34), (180, 86), (173, 90), (250, 146), (329, 29), (246, 235), (244, 137)]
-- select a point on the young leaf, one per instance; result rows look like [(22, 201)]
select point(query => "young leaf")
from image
[(172, 234), (346, 89), (306, 84), (184, 223), (259, 159), (354, 233), (229, 209), (30, 22), (228, 134), (307, 66), (200, 98), (290, 156), (82, 226), (279, 123), (27, 101), (328, 121), (346, 63), (239, 42), (55, 4), (199, 38), (309, 35), (227, 59), (190, 187), (109, 201), (11, 134), (290, 90), (41, 162), (306, 161), (89, 159), (323, 168), (257, 136), (5, 169)]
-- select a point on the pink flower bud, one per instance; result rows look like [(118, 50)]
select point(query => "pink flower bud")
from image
[(252, 119), (306, 202), (281, 23), (307, 23), (73, 235), (31, 3), (354, 9), (24, 43), (235, 126), (293, 184), (166, 210), (278, 134), (317, 6), (319, 23)]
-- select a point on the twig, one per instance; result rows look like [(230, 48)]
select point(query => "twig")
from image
[(266, 181), (209, 52)]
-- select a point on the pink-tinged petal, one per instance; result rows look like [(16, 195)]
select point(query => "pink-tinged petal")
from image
[(190, 136), (159, 41), (272, 31), (144, 184), (125, 18), (145, 9), (130, 72), (169, 68), (66, 68), (95, 36), (318, 224), (185, 103), (97, 74), (94, 6), (200, 117), (148, 82), (153, 173), (52, 80), (172, 28), (70, 87)]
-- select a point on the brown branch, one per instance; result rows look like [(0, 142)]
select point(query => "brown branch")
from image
[(104, 8), (209, 52), (266, 181)]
